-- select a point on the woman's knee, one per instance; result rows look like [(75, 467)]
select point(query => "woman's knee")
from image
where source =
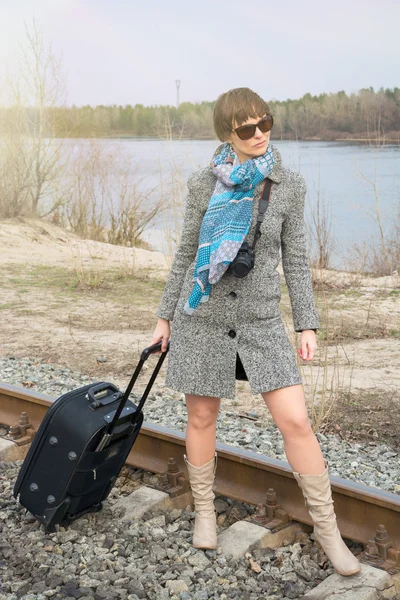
[(295, 426), (288, 409), (202, 410)]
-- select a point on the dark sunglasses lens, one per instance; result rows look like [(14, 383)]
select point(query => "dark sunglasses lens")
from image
[(246, 132), (266, 124)]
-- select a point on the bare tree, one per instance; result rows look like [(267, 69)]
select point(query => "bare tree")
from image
[(383, 256), (320, 231), (85, 181), (30, 153), (130, 210), (107, 200), (279, 119), (15, 165)]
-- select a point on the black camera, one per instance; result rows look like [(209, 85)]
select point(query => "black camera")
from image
[(243, 261)]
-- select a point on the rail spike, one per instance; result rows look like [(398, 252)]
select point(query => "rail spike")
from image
[(380, 553), (22, 433), (173, 481), (270, 514)]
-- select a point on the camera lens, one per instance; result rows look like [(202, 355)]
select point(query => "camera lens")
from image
[(240, 269), (243, 261)]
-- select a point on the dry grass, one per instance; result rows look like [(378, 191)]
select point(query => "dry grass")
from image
[(371, 415), (89, 266)]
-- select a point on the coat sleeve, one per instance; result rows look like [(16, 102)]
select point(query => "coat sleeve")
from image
[(295, 262), (185, 252)]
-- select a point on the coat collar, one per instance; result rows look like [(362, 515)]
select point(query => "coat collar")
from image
[(276, 173)]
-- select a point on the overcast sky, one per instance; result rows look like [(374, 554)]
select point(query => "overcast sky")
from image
[(132, 51)]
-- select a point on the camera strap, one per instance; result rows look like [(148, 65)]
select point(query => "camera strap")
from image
[(262, 208)]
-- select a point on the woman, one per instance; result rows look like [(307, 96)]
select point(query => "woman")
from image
[(219, 318)]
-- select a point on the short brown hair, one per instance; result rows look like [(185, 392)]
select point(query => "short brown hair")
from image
[(237, 105)]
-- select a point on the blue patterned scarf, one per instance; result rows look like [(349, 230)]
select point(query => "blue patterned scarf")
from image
[(228, 218)]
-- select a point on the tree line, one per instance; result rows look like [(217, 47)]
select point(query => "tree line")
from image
[(367, 114)]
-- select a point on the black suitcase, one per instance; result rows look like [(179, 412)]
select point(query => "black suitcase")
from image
[(80, 448)]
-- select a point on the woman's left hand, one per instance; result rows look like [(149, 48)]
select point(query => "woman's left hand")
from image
[(308, 343)]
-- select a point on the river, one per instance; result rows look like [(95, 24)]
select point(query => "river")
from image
[(348, 177)]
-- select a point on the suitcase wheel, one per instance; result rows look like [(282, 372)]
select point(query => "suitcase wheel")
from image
[(69, 518)]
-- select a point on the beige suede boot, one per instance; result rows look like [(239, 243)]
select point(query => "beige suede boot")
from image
[(317, 492), (201, 481)]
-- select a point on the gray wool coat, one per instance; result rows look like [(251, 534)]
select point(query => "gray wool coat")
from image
[(242, 315)]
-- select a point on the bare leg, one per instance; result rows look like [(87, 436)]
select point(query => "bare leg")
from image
[(288, 409), (202, 414)]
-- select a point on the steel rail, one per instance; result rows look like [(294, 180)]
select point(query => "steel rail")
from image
[(243, 475)]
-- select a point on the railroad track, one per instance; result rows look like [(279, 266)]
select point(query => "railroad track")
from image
[(366, 515)]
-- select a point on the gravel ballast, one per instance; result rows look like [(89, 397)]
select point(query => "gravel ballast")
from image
[(100, 557), (373, 463)]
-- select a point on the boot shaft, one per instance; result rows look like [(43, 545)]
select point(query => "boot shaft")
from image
[(201, 479), (316, 488)]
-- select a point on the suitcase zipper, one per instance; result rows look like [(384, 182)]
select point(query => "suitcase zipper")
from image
[(94, 474)]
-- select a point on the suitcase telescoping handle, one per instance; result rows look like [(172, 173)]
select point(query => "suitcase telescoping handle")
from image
[(144, 356)]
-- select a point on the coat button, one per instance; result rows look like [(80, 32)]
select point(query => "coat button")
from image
[(232, 333), (233, 294)]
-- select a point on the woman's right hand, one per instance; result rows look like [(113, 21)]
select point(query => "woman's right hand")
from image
[(161, 332)]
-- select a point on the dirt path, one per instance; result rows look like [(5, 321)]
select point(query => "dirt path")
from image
[(72, 301)]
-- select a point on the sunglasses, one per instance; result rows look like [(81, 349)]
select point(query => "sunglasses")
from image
[(245, 132)]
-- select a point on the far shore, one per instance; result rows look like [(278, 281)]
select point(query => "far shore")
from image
[(392, 139)]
